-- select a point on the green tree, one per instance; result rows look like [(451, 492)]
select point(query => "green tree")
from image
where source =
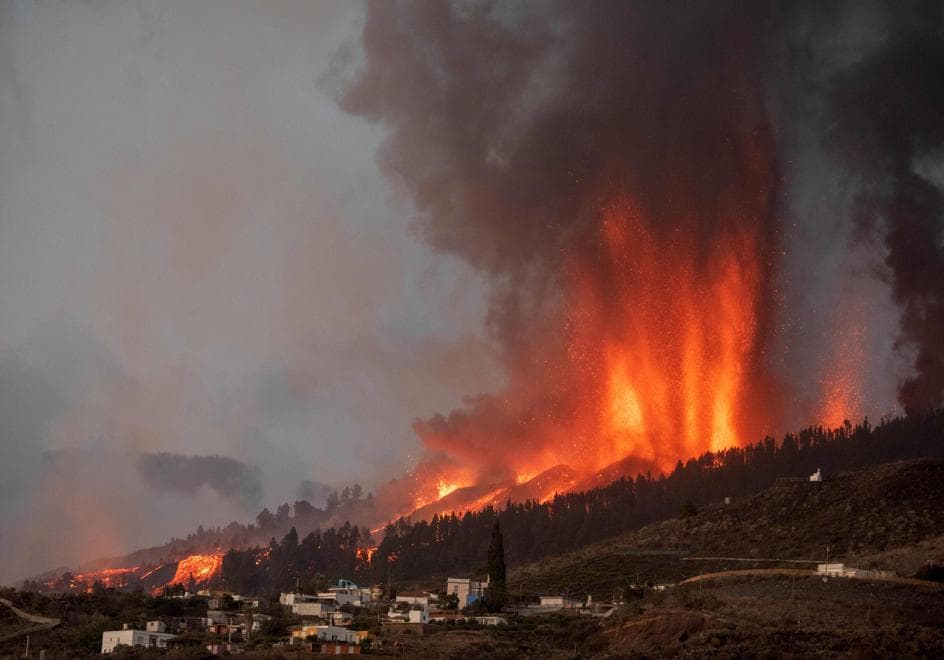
[(497, 589)]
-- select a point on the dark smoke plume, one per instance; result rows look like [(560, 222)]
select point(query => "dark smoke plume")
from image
[(187, 474), (512, 126), (887, 113)]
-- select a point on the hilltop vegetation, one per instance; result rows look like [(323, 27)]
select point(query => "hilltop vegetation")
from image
[(457, 543), (298, 541), (862, 516)]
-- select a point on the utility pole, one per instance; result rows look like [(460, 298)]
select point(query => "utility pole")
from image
[(26, 655)]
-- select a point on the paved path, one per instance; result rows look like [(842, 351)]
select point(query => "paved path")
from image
[(42, 622), (795, 571)]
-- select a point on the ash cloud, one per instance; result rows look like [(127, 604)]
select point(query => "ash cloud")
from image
[(886, 111), (511, 127), (187, 474)]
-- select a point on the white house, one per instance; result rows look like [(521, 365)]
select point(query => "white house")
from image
[(418, 615), (155, 636), (339, 618), (320, 607), (466, 590), (558, 602), (816, 476), (491, 620), (841, 570), (337, 634), (417, 598), (291, 599), (341, 596)]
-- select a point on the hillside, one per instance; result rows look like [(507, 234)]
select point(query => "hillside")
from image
[(870, 517)]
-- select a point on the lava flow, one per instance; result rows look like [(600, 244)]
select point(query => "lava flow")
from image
[(199, 568)]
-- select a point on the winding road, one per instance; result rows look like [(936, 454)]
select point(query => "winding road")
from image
[(42, 622)]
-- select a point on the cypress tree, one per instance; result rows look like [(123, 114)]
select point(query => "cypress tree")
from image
[(497, 590)]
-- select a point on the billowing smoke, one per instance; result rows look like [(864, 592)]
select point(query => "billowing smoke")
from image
[(187, 474), (664, 197), (612, 167), (887, 112)]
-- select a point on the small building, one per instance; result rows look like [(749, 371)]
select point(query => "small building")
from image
[(418, 615), (328, 634), (466, 590), (156, 626), (339, 618), (841, 570), (816, 476), (344, 596), (340, 649), (417, 598), (292, 598), (339, 634), (319, 608), (153, 637), (557, 602), (491, 620)]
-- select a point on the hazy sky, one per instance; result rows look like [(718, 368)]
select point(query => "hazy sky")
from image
[(198, 255)]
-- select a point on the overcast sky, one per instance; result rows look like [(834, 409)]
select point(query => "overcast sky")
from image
[(199, 255)]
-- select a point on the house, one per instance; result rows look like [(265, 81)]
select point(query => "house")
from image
[(292, 598), (816, 476), (154, 636), (303, 632), (418, 615), (339, 618), (448, 617), (220, 616), (417, 598), (841, 570), (340, 649), (466, 590), (491, 620), (328, 634), (344, 596), (320, 608), (557, 602), (338, 634)]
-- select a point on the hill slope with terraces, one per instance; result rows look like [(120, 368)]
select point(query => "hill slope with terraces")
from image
[(888, 517)]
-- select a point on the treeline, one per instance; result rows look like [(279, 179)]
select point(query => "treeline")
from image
[(312, 563), (457, 544)]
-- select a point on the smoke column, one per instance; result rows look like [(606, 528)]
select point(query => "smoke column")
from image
[(617, 171), (888, 128), (612, 167)]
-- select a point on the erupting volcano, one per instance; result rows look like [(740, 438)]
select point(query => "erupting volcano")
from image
[(622, 199)]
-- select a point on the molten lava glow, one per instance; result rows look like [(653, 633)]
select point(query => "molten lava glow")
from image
[(841, 386), (675, 336), (444, 488), (201, 567), (366, 555)]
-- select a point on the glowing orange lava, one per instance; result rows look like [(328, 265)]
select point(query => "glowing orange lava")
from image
[(675, 360), (365, 555), (444, 489), (200, 567)]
